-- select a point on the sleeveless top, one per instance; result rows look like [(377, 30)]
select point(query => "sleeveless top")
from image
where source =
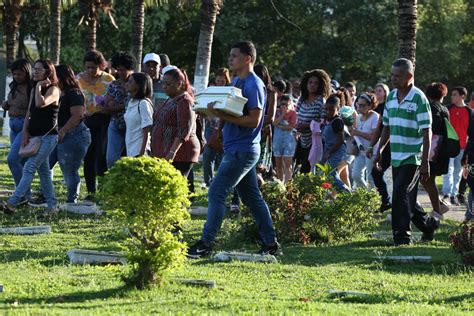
[(43, 119)]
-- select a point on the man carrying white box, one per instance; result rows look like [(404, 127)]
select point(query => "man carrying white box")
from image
[(241, 137)]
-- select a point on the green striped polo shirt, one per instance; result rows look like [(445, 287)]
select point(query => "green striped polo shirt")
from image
[(406, 121)]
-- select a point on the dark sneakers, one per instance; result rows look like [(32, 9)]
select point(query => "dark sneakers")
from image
[(199, 250), (274, 250), (38, 201)]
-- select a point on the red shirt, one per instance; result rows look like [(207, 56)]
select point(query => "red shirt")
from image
[(459, 118)]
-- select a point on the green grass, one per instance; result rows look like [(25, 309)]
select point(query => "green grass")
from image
[(38, 277)]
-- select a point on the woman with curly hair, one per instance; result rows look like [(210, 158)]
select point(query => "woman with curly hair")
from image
[(115, 100), (315, 88)]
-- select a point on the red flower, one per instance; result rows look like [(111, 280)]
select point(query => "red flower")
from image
[(326, 185)]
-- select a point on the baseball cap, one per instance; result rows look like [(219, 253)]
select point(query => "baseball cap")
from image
[(167, 68), (152, 57)]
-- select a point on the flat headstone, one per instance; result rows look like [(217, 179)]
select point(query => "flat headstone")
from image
[(225, 256), (81, 208), (28, 230), (6, 192), (198, 210), (389, 235), (346, 293), (205, 283), (409, 259), (83, 256)]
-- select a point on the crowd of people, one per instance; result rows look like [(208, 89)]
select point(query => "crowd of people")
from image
[(108, 111)]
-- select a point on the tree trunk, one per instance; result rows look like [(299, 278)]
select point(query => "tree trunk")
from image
[(407, 13), (55, 31), (209, 10), (11, 18), (138, 29), (91, 37)]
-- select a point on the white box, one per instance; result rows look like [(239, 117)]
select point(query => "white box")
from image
[(228, 100)]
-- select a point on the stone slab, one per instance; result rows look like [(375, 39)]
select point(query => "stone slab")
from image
[(6, 192), (84, 208), (84, 256), (388, 235), (198, 210), (225, 256), (346, 293), (28, 230), (409, 259), (204, 283)]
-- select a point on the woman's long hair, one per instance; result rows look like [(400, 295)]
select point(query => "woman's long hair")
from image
[(144, 84), (50, 71), (66, 78), (24, 66), (324, 87)]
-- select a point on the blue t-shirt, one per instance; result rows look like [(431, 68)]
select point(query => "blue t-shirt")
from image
[(243, 139)]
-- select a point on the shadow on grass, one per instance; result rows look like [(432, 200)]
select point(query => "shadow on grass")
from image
[(79, 297)]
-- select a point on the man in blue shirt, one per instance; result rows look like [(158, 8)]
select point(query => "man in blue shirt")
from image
[(241, 152)]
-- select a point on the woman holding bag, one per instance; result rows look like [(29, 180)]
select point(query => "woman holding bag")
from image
[(40, 127)]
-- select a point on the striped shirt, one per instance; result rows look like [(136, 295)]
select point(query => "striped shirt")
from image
[(306, 113), (406, 121)]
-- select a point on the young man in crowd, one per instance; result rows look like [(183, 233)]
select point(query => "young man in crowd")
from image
[(152, 67), (407, 122), (241, 152), (459, 115)]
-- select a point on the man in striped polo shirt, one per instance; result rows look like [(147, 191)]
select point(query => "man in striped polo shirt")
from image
[(407, 121)]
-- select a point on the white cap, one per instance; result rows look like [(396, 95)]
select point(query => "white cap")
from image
[(152, 57), (167, 68)]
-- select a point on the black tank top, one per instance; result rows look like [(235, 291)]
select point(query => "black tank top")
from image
[(43, 119)]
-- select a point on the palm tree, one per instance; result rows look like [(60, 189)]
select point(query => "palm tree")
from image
[(89, 11), (55, 31), (11, 19), (209, 11), (138, 26), (407, 14)]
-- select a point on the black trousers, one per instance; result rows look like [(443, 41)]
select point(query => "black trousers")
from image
[(305, 166), (405, 208), (94, 161), (377, 176)]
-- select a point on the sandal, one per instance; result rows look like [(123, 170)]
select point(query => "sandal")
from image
[(8, 208)]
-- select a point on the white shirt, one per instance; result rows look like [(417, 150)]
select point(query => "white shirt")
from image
[(367, 126), (136, 120)]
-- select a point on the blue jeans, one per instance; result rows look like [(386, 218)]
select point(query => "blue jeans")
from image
[(453, 177), (237, 170), (70, 153), (15, 162), (40, 163), (469, 212), (211, 158), (362, 171), (115, 143)]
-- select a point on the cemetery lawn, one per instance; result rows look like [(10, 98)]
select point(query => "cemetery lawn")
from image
[(38, 279)]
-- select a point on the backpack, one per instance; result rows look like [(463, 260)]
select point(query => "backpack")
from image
[(451, 144)]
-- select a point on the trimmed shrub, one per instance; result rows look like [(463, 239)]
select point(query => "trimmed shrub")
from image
[(149, 197), (462, 242)]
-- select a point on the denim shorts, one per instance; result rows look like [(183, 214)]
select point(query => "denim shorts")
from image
[(284, 145)]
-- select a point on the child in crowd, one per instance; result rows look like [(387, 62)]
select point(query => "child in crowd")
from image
[(139, 115), (333, 135), (284, 141), (367, 122)]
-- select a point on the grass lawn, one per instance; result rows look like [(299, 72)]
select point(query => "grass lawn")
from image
[(38, 278)]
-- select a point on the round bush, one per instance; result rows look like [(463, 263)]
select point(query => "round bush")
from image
[(149, 197)]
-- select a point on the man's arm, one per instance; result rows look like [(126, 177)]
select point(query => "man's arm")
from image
[(250, 120), (424, 169)]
